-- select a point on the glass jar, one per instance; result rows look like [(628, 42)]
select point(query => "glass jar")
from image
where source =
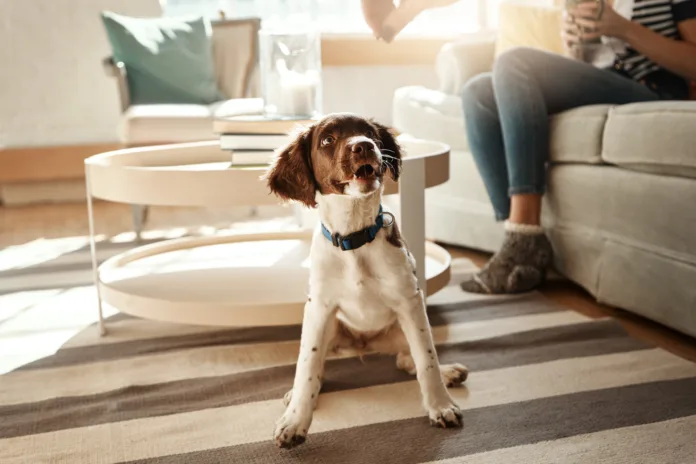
[(290, 66)]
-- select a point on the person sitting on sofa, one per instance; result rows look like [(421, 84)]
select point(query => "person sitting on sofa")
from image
[(651, 57), (507, 111)]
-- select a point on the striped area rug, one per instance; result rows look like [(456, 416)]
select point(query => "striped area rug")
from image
[(547, 385)]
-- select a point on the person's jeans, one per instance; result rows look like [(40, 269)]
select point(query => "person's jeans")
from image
[(507, 115)]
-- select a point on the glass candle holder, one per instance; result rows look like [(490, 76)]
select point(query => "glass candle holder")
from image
[(290, 66)]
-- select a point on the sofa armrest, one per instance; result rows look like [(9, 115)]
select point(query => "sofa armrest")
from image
[(117, 69), (459, 61)]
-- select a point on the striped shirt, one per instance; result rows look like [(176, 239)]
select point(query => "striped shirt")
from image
[(662, 16)]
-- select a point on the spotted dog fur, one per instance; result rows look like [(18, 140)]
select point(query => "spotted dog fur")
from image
[(365, 299)]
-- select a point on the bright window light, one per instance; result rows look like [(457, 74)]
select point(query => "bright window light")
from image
[(332, 16)]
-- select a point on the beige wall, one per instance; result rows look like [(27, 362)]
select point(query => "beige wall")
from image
[(53, 90)]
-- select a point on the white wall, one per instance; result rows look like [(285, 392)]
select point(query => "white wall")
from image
[(368, 90), (53, 89)]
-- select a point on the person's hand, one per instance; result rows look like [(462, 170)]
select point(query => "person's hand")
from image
[(386, 20), (570, 31), (570, 34), (611, 24), (375, 12)]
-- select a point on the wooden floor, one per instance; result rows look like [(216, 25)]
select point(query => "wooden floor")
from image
[(21, 225)]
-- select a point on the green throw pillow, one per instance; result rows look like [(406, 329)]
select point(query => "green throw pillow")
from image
[(168, 60)]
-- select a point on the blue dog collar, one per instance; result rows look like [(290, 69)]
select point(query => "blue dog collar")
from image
[(356, 239)]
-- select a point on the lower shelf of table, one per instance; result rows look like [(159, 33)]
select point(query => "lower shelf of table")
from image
[(240, 280)]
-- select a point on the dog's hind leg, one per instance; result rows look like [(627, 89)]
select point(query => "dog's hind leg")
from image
[(287, 398), (394, 341), (404, 361), (453, 375)]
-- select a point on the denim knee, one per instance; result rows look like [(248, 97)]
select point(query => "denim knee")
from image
[(517, 58), (478, 91)]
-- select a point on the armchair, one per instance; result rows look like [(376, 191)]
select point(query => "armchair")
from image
[(235, 53)]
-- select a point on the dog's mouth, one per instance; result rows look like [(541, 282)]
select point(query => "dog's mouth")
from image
[(365, 173)]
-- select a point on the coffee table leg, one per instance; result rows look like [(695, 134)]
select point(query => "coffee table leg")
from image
[(93, 250), (412, 204)]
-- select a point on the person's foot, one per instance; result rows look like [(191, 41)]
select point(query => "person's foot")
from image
[(519, 266)]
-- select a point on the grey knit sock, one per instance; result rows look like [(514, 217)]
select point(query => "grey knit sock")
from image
[(519, 266)]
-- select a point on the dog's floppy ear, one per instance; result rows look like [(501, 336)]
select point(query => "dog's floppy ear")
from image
[(290, 176), (391, 151)]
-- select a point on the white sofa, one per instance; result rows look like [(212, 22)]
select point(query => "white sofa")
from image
[(621, 206)]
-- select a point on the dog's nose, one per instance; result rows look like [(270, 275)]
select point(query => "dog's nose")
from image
[(362, 147)]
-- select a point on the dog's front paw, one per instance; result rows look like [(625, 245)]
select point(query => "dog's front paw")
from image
[(290, 431), (446, 417)]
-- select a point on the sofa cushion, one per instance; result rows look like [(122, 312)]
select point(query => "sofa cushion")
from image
[(430, 114), (576, 135), (152, 124), (533, 24), (168, 60), (655, 137), (459, 61)]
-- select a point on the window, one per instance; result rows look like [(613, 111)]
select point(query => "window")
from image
[(335, 16)]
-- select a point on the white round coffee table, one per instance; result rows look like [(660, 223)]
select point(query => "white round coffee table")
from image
[(232, 280)]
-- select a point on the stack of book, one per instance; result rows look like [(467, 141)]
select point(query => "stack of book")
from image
[(252, 139)]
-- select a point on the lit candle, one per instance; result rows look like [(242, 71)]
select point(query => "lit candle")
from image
[(298, 93)]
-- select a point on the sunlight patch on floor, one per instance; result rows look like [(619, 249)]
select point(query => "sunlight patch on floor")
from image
[(12, 304), (37, 323), (40, 251), (42, 327)]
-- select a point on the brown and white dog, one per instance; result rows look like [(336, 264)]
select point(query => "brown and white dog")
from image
[(363, 293)]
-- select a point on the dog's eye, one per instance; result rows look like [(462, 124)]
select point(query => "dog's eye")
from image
[(328, 140), (370, 135)]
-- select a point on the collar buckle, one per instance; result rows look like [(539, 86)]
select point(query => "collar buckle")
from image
[(337, 241)]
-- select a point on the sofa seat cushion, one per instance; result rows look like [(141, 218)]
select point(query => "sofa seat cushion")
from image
[(169, 123), (576, 135), (655, 137)]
